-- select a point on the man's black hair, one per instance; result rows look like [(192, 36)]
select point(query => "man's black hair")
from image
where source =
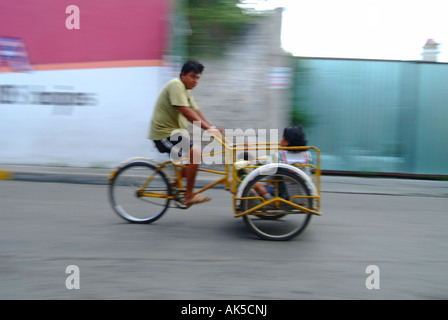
[(295, 136), (192, 65)]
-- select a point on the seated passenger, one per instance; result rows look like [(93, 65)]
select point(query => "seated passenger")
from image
[(292, 137)]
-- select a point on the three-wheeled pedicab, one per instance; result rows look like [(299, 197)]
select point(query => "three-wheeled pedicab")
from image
[(141, 189)]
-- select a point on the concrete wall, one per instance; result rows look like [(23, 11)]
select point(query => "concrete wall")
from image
[(87, 94), (109, 120), (247, 89), (107, 123)]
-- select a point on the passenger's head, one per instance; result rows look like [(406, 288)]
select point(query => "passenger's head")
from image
[(293, 137), (190, 73)]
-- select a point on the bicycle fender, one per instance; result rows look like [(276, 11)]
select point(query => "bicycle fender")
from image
[(136, 159), (128, 161), (272, 168)]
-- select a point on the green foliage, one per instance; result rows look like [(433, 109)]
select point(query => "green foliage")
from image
[(214, 25), (301, 117)]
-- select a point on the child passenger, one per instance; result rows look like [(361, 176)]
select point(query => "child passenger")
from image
[(292, 137)]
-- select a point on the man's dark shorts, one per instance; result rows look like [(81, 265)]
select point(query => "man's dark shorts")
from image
[(174, 143)]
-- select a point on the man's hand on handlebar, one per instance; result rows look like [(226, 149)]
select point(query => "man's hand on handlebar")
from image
[(217, 131)]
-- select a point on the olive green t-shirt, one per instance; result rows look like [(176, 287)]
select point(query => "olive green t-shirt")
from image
[(166, 117)]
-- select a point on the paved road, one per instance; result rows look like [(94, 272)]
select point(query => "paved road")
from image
[(204, 253)]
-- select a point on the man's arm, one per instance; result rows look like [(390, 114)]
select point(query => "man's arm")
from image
[(193, 115), (203, 118)]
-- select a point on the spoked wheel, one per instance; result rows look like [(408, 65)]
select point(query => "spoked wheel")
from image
[(138, 192), (278, 220)]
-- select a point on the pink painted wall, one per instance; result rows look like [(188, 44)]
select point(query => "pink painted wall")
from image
[(110, 30)]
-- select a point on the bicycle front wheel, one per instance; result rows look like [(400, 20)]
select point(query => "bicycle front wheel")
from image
[(139, 192), (278, 220)]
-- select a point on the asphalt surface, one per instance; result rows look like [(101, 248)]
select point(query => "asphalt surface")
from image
[(398, 225)]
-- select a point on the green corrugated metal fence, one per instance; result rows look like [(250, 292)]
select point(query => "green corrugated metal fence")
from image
[(375, 116)]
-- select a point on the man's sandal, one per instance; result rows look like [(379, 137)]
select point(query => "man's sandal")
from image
[(197, 199)]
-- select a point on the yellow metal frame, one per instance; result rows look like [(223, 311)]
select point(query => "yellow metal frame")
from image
[(233, 185)]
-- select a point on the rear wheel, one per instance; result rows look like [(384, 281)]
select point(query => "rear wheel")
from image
[(139, 192), (278, 220)]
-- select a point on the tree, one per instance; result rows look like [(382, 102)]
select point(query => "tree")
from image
[(215, 25)]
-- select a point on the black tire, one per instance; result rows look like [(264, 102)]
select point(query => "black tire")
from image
[(125, 193), (266, 222)]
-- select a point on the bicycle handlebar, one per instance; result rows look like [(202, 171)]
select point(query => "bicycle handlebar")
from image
[(256, 146)]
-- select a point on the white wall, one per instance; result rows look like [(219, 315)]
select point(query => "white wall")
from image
[(105, 124)]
